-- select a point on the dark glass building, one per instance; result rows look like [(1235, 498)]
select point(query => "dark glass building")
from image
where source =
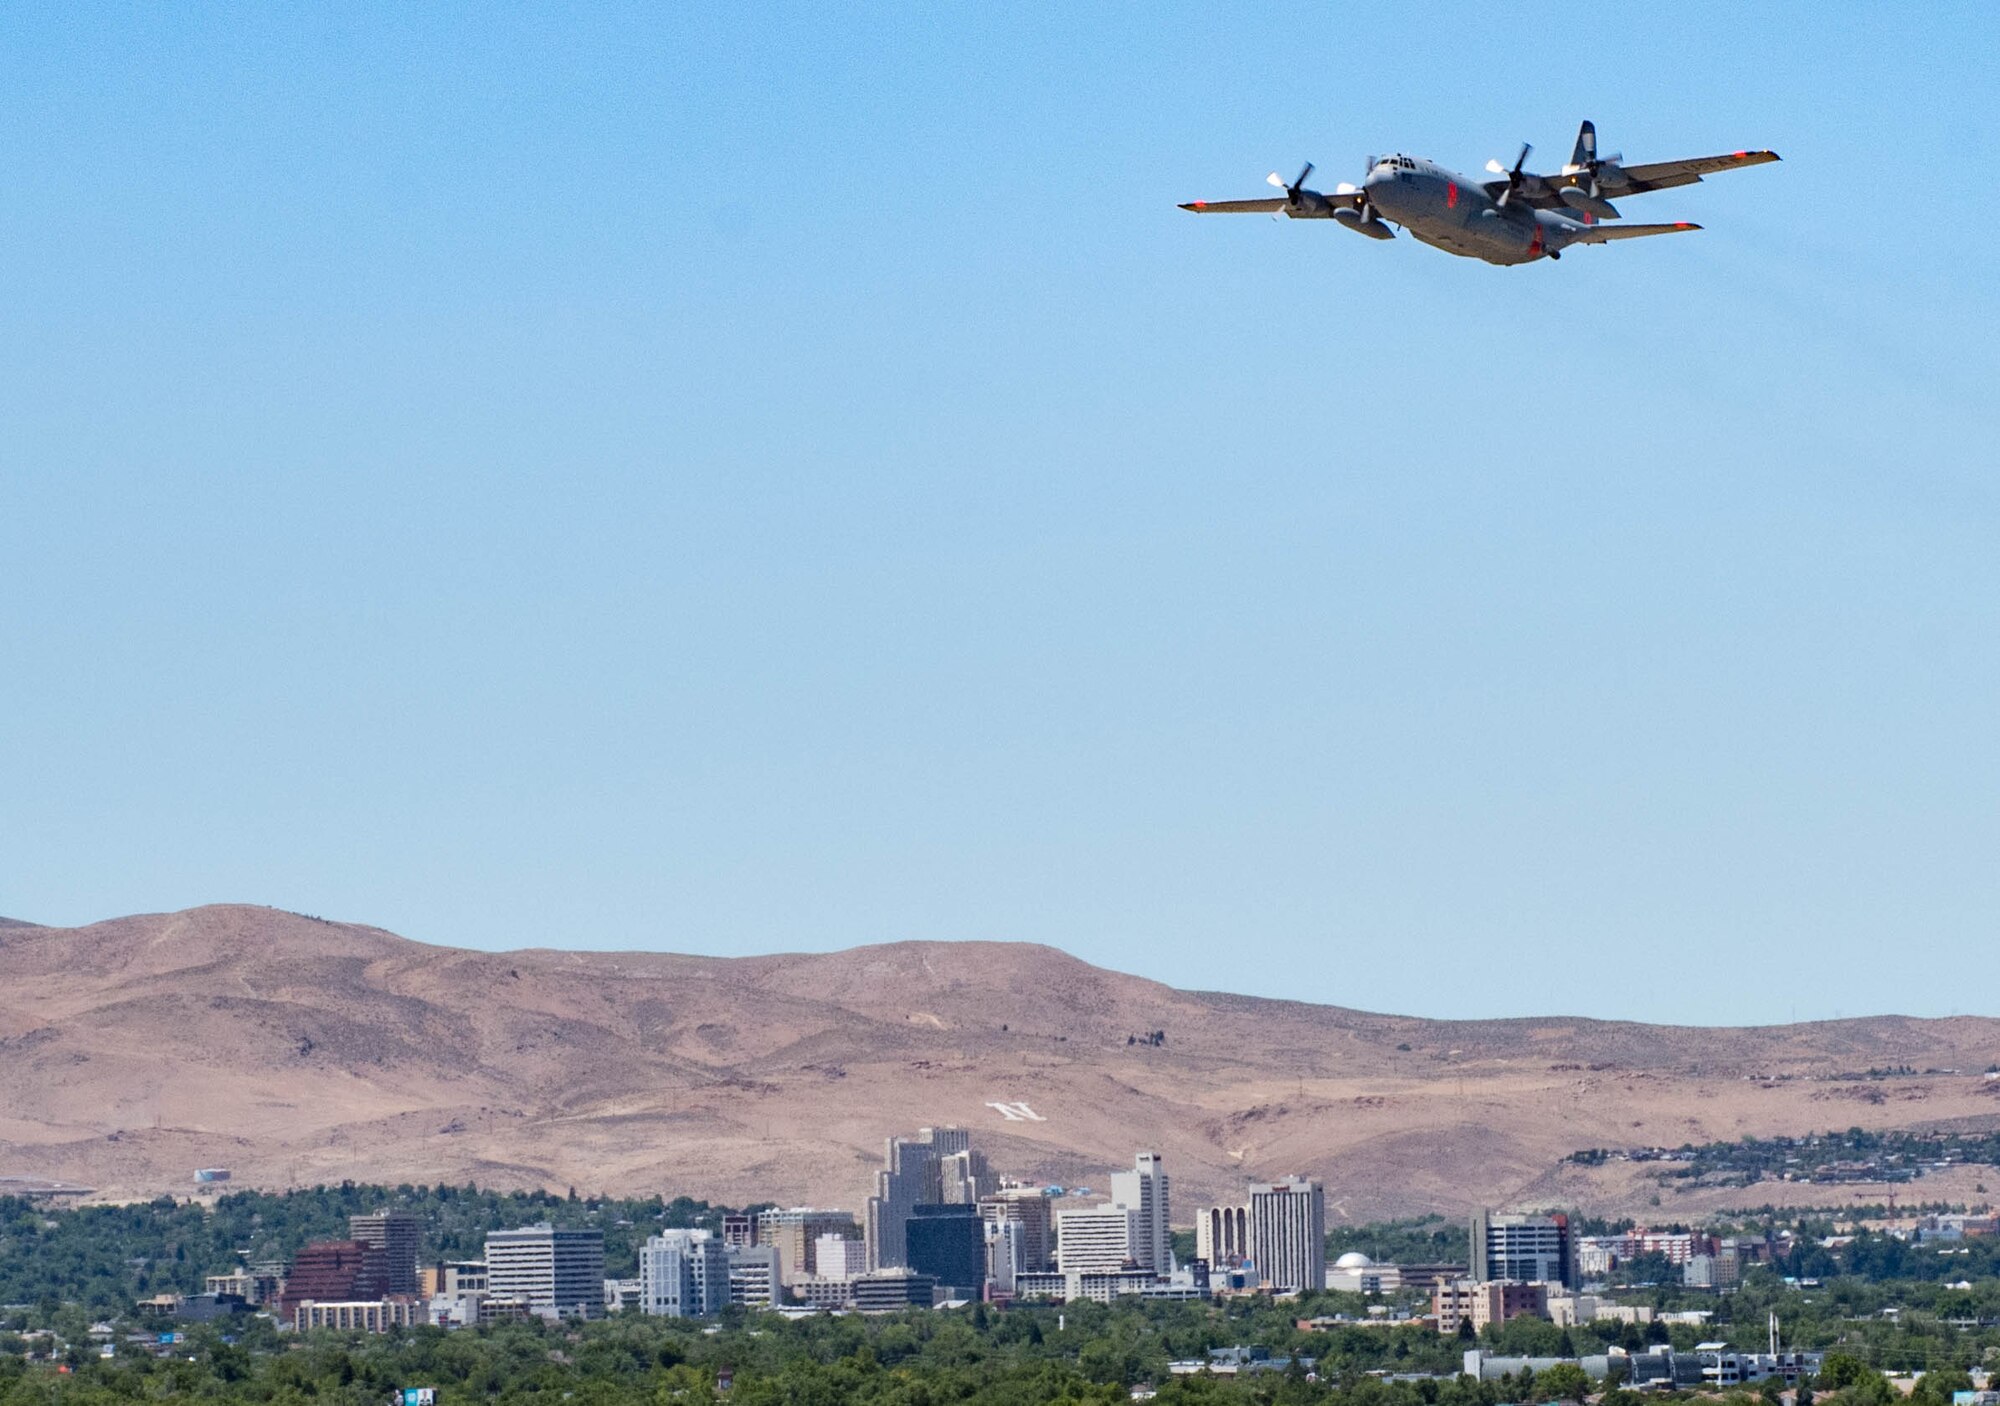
[(949, 1243)]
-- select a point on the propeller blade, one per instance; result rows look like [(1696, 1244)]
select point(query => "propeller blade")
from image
[(1346, 188), (1611, 160), (1302, 177), (1274, 179), (1522, 159), (1495, 167)]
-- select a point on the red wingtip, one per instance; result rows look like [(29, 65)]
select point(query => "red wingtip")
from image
[(1683, 224), (1742, 156), (1201, 205)]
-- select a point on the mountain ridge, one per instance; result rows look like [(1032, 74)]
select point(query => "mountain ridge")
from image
[(298, 1049)]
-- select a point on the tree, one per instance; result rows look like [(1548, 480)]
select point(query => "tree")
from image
[(1565, 1381)]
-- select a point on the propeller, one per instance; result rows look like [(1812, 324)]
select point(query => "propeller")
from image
[(1292, 190), (1597, 165), (1513, 176)]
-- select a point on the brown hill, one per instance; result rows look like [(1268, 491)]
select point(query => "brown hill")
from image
[(295, 1050)]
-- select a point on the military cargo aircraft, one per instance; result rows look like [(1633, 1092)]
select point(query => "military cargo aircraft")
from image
[(1515, 219)]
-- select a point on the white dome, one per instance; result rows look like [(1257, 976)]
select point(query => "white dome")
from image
[(1353, 1259)]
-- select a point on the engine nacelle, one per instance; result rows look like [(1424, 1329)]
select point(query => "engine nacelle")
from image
[(1372, 227), (1577, 198)]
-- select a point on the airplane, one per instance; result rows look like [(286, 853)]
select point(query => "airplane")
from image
[(1516, 219)]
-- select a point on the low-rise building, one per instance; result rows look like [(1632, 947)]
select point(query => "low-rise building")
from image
[(1238, 1361), (1569, 1310), (1356, 1273), (1723, 1366), (753, 1276), (453, 1277), (889, 1290), (365, 1315), (820, 1292), (1484, 1302), (334, 1271), (1721, 1273)]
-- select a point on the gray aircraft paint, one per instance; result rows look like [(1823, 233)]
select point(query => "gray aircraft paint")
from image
[(1516, 219)]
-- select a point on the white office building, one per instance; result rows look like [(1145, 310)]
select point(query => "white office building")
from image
[(1096, 1239), (556, 1272), (1144, 1190), (1287, 1224)]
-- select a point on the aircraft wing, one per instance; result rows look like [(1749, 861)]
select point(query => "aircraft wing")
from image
[(1660, 175), (1236, 207), (1313, 205)]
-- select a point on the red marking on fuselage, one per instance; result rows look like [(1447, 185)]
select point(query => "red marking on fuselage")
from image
[(1535, 249), (1451, 195)]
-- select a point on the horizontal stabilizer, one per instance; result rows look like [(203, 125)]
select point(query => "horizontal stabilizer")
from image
[(1604, 234), (1270, 206)]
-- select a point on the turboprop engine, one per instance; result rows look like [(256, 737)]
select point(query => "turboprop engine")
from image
[(1370, 224), (1577, 198)]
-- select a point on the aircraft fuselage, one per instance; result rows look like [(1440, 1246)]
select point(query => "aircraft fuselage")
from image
[(1454, 213)]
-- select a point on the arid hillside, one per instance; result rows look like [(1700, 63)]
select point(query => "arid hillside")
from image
[(294, 1050)]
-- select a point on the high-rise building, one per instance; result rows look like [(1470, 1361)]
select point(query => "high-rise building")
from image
[(1004, 1261), (739, 1230), (1029, 1208), (335, 1271), (1095, 1239), (1144, 1189), (1525, 1249), (683, 1274), (1287, 1224), (795, 1234), (963, 1177), (948, 1242), (395, 1233), (1222, 1236), (914, 1177), (558, 1272)]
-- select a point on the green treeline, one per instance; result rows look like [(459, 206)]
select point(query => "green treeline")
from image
[(1022, 1356), (107, 1257)]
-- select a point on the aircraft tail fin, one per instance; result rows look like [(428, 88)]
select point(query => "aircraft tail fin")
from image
[(1586, 144)]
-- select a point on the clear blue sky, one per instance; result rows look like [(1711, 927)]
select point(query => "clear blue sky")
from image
[(734, 479)]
